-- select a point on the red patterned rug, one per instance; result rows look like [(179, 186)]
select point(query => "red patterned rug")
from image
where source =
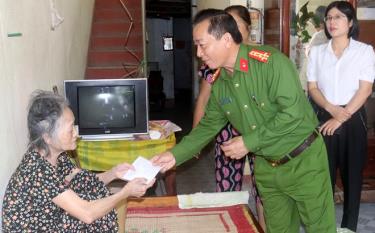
[(233, 219)]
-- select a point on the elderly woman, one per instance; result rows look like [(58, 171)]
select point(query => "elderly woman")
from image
[(47, 192)]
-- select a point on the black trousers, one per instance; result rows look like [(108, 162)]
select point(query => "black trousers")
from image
[(347, 150)]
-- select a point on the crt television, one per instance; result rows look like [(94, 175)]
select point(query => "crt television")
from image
[(109, 108)]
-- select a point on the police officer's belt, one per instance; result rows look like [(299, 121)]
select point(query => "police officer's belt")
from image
[(294, 153)]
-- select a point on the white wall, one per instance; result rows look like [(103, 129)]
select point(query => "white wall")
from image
[(38, 59), (219, 4)]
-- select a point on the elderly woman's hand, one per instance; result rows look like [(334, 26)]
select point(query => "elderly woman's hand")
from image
[(137, 187), (120, 170)]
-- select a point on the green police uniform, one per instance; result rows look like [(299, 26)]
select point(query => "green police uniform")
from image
[(264, 101)]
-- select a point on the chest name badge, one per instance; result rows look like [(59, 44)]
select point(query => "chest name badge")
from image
[(225, 100), (244, 65), (259, 55)]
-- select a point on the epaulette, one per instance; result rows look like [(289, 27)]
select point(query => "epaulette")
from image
[(259, 55)]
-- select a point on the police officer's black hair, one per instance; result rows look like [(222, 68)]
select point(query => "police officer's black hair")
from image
[(347, 9), (220, 23), (241, 11)]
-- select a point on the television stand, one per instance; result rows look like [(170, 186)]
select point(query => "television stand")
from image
[(101, 155), (107, 137)]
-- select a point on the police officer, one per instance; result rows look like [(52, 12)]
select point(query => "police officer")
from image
[(259, 93)]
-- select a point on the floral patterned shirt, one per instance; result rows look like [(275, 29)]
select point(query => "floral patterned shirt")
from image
[(206, 73), (27, 203)]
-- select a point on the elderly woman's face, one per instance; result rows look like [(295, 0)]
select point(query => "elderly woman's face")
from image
[(65, 137)]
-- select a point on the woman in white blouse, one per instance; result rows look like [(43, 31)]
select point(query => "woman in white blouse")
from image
[(340, 74)]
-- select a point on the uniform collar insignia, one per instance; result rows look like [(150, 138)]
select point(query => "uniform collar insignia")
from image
[(244, 64), (259, 55), (216, 75)]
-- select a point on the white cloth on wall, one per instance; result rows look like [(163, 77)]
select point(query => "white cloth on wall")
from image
[(56, 19)]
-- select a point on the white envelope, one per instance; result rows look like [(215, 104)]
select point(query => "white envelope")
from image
[(143, 169)]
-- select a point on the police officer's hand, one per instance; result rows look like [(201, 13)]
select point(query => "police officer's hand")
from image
[(235, 148), (164, 160)]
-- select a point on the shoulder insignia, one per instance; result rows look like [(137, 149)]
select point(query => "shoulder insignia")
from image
[(259, 55), (244, 64)]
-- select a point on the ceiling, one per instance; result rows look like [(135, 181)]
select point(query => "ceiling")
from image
[(168, 8)]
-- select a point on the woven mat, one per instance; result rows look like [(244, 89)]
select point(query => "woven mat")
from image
[(233, 219)]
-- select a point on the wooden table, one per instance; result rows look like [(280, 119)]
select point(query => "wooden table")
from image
[(172, 201)]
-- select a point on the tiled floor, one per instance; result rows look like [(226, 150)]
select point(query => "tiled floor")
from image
[(197, 175)]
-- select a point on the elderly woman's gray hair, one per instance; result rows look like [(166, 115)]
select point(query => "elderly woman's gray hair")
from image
[(45, 108)]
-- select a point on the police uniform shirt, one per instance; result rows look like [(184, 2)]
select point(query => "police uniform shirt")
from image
[(262, 99)]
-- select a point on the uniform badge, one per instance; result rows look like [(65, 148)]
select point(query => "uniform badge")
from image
[(244, 64), (259, 55), (225, 100)]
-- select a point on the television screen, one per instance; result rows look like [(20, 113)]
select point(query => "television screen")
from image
[(112, 108), (117, 104)]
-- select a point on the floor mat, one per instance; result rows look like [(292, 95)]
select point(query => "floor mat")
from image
[(232, 219)]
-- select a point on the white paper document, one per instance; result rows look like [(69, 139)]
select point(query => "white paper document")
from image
[(143, 169)]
